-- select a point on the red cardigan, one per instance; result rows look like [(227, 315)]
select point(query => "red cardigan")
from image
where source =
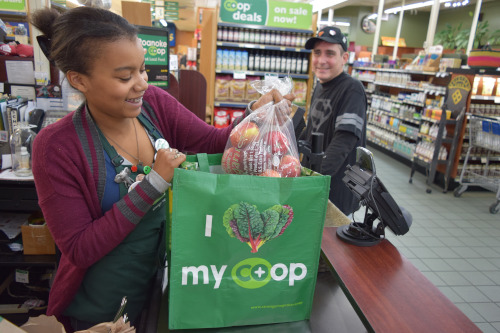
[(69, 172)]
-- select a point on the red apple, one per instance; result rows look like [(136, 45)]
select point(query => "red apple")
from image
[(243, 134), (256, 158), (232, 161), (289, 166), (278, 142), (270, 173)]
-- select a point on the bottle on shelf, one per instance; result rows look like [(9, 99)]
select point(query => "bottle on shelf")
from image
[(244, 60), (236, 35), (288, 63), (257, 36), (251, 36), (273, 62), (251, 57), (219, 33), (21, 144), (246, 36), (298, 68), (273, 38), (305, 63), (268, 62), (293, 64), (283, 63), (279, 56), (224, 34), (218, 60)]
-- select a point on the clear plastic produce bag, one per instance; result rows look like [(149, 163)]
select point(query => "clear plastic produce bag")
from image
[(264, 143)]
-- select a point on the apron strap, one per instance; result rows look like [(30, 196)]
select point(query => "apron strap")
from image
[(150, 127)]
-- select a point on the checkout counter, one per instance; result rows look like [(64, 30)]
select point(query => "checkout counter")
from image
[(363, 289), (367, 289)]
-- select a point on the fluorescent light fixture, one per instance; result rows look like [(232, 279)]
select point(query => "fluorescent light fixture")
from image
[(412, 6), (457, 4), (75, 2), (338, 23), (163, 22), (322, 4)]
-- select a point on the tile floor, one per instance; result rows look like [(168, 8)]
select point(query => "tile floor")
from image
[(455, 242)]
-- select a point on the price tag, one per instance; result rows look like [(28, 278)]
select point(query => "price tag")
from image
[(484, 160), (22, 276), (270, 75), (497, 99), (239, 75)]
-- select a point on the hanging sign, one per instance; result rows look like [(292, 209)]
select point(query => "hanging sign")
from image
[(268, 13), (17, 5), (171, 33), (155, 41)]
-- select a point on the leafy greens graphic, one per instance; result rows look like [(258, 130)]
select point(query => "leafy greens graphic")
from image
[(244, 222)]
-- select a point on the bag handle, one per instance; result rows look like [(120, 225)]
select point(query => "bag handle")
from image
[(203, 162)]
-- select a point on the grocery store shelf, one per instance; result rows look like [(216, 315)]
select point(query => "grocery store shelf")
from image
[(229, 104), (262, 27), (392, 130), (394, 70), (496, 99), (395, 115), (263, 47), (260, 73), (379, 143), (13, 14)]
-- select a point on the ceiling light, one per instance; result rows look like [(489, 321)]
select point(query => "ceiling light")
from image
[(412, 6), (322, 4), (163, 22), (338, 23), (75, 2)]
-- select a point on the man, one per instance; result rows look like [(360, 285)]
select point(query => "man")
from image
[(338, 110)]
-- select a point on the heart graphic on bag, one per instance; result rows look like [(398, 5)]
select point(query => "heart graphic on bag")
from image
[(244, 222)]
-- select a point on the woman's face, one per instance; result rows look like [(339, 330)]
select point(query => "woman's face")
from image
[(117, 80)]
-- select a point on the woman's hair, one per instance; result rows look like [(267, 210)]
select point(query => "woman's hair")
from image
[(73, 39)]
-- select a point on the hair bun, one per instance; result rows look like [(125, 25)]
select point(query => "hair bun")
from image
[(44, 19)]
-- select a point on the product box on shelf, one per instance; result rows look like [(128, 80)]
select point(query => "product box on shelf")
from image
[(36, 236), (37, 239)]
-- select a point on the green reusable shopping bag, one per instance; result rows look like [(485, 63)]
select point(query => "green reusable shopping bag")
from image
[(245, 249)]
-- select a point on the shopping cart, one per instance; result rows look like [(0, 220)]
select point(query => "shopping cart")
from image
[(484, 134)]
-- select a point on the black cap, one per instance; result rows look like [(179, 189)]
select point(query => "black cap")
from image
[(331, 35)]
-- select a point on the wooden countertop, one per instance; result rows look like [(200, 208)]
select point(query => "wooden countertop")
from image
[(388, 292)]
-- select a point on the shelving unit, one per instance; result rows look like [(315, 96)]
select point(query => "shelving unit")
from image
[(212, 39), (397, 101), (21, 197), (448, 161), (477, 159), (256, 51), (403, 106)]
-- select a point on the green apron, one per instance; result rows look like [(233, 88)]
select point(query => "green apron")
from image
[(128, 270)]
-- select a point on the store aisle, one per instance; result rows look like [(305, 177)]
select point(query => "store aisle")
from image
[(455, 242)]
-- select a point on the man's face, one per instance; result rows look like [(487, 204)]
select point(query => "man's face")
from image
[(328, 60)]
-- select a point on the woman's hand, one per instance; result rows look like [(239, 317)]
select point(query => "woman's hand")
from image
[(273, 96), (166, 161), (282, 106)]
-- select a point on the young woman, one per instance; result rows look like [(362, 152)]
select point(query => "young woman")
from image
[(109, 232)]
